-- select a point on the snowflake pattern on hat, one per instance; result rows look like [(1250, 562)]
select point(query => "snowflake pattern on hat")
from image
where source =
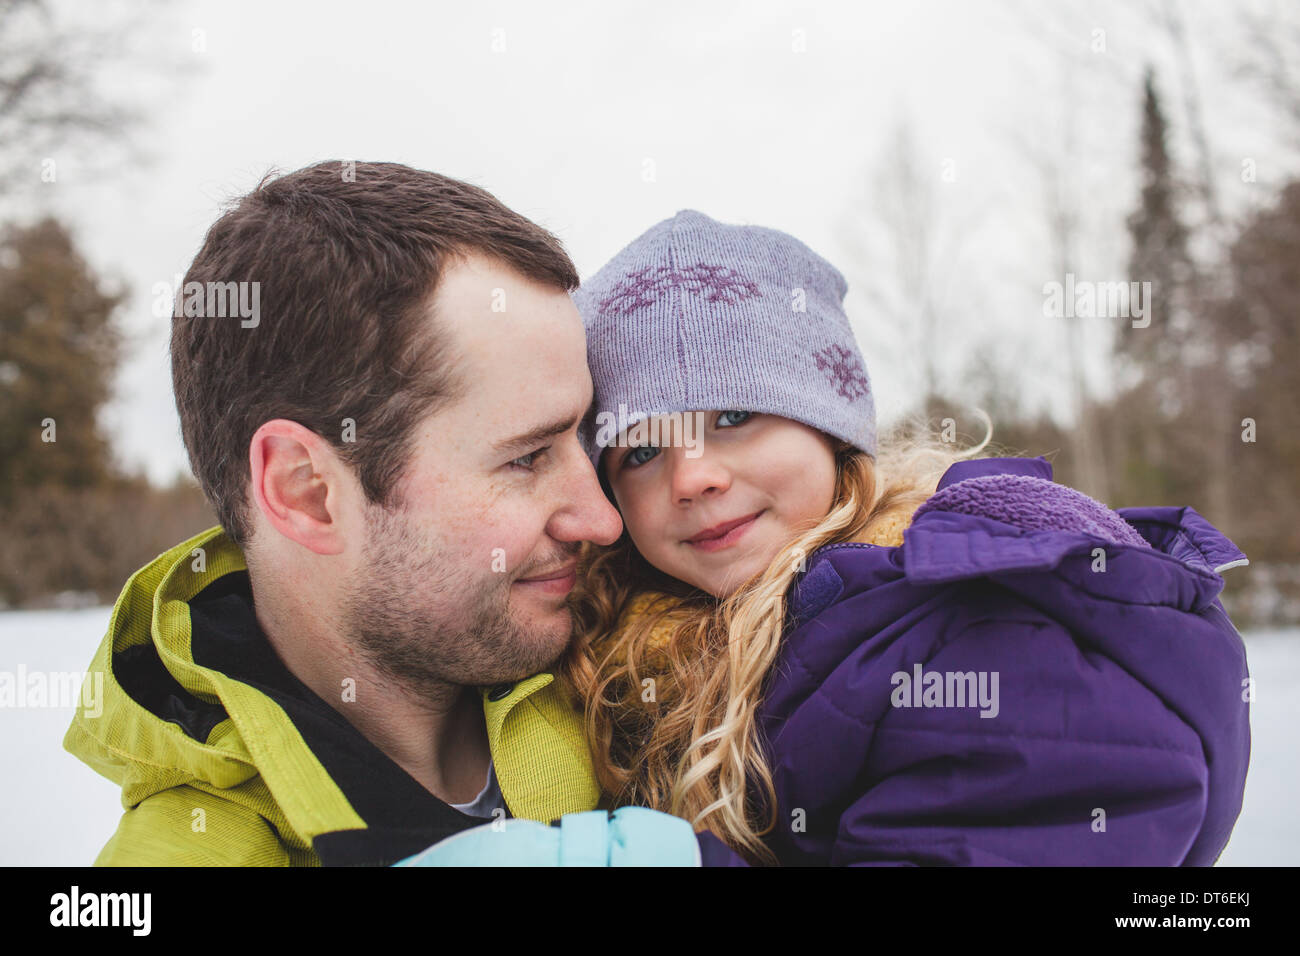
[(845, 371), (645, 286)]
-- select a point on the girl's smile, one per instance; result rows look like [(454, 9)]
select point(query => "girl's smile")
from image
[(723, 535)]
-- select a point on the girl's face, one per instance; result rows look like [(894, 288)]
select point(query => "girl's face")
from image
[(716, 519)]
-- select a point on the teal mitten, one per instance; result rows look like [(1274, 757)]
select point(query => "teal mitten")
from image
[(631, 836)]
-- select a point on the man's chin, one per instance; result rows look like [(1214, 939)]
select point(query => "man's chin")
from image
[(543, 639)]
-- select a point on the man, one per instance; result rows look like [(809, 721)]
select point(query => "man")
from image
[(353, 666)]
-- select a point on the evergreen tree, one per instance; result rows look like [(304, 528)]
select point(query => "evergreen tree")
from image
[(1159, 250), (58, 352)]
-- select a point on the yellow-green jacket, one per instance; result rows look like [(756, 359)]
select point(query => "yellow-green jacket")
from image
[(225, 758)]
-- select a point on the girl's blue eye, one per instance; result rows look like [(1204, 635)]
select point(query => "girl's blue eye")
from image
[(732, 422), (634, 458)]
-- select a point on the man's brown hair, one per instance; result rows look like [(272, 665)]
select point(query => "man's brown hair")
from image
[(347, 257)]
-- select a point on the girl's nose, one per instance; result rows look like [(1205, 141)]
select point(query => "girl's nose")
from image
[(694, 478)]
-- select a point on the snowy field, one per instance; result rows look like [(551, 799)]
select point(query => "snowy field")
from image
[(56, 811)]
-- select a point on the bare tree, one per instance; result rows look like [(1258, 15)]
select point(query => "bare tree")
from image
[(1170, 17), (53, 98), (905, 249), (1273, 38)]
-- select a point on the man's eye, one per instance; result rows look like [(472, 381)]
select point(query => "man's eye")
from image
[(727, 422), (634, 457), (527, 461)]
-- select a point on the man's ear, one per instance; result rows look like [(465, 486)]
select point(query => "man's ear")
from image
[(299, 484)]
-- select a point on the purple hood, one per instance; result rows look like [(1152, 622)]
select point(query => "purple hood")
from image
[(1031, 679)]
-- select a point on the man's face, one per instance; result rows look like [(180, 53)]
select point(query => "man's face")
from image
[(497, 497)]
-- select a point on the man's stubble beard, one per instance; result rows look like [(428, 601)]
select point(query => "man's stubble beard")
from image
[(424, 626)]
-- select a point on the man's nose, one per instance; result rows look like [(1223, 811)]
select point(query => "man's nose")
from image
[(697, 477), (588, 516)]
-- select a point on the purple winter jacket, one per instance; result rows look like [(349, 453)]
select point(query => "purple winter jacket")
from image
[(1116, 731)]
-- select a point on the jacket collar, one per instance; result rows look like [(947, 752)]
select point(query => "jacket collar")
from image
[(539, 749)]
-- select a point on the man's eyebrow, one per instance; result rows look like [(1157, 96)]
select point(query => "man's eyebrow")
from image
[(534, 435)]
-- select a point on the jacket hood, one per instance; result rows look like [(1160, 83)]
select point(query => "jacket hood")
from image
[(168, 721), (1003, 515)]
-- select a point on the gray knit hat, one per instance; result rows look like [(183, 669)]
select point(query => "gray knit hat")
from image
[(696, 314)]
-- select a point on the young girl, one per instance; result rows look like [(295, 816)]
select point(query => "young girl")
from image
[(822, 651)]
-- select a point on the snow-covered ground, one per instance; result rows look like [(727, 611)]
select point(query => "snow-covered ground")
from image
[(1268, 830), (54, 810)]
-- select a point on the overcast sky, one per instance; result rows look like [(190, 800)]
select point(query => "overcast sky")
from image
[(773, 113)]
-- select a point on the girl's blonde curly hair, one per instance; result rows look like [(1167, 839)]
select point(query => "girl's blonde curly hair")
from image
[(671, 693)]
